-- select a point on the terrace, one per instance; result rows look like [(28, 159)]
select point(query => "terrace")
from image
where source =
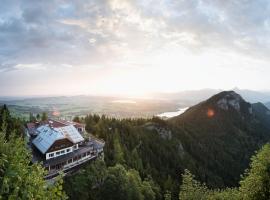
[(87, 151), (60, 147)]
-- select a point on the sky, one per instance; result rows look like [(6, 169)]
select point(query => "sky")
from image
[(132, 47)]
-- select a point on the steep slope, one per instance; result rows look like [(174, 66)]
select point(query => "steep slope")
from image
[(220, 134), (214, 140), (267, 105), (262, 113)]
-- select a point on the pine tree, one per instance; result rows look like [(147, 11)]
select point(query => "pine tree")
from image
[(76, 119), (256, 182), (191, 189), (118, 152), (31, 117), (38, 117), (44, 116), (19, 179), (167, 195)]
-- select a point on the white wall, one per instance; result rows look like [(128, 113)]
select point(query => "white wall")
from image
[(76, 146), (60, 152)]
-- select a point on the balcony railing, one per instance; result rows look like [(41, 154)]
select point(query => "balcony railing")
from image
[(69, 166)]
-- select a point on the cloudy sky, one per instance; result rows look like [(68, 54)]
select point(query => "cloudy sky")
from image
[(132, 47)]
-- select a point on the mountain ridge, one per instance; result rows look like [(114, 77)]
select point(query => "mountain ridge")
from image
[(214, 140), (223, 126)]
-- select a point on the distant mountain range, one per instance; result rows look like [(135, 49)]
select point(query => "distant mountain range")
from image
[(267, 105), (70, 106), (195, 96)]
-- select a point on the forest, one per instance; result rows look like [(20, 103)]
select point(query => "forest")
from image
[(143, 159), (158, 159), (19, 178), (158, 153)]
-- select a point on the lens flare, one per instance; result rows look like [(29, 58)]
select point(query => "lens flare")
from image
[(210, 113), (55, 112)]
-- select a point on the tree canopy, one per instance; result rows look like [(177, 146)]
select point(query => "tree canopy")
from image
[(255, 183), (19, 178), (98, 182)]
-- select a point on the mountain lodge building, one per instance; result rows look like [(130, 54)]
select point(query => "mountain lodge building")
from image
[(60, 145)]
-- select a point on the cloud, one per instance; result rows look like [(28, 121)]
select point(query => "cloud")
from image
[(124, 33), (37, 31), (222, 24), (36, 66), (5, 67)]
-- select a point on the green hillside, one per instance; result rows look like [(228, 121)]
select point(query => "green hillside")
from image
[(214, 140)]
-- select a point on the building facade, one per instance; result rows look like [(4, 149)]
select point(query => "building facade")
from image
[(60, 145)]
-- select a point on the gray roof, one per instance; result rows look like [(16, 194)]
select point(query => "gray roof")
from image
[(48, 135), (71, 133)]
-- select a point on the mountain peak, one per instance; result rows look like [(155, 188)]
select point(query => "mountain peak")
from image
[(230, 100), (223, 104), (227, 94), (227, 99)]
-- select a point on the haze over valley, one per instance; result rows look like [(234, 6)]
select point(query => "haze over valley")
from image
[(135, 100), (157, 104)]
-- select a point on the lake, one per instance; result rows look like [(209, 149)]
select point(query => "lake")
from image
[(173, 114)]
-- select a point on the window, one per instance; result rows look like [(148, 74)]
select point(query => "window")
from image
[(68, 150), (51, 155), (62, 151), (58, 153)]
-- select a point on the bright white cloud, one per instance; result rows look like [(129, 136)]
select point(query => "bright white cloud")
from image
[(34, 66), (132, 47)]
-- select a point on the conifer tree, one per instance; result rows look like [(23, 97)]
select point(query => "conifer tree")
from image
[(44, 116), (19, 179), (118, 152)]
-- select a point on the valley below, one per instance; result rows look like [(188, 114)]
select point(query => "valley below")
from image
[(214, 140), (164, 105), (69, 107)]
